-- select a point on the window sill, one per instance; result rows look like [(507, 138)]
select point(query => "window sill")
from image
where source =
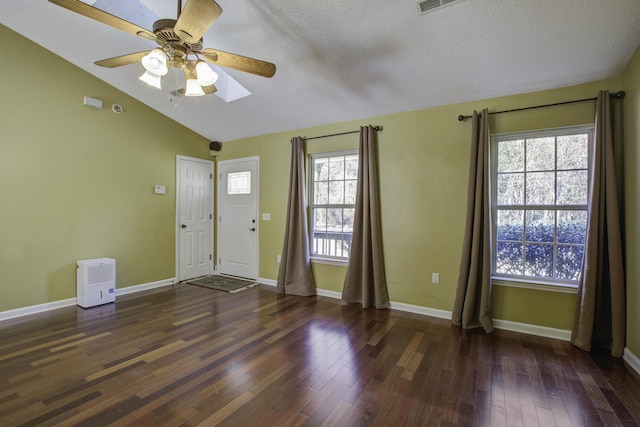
[(329, 261), (564, 288)]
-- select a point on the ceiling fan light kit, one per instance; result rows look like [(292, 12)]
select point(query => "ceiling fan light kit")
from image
[(155, 62), (178, 40), (205, 75), (192, 88), (151, 79)]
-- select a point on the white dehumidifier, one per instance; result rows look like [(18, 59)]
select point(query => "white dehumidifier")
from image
[(96, 282)]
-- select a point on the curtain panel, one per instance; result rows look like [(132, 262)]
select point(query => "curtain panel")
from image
[(600, 313), (295, 276), (472, 305), (365, 280)]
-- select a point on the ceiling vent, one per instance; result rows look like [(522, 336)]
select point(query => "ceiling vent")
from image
[(426, 6)]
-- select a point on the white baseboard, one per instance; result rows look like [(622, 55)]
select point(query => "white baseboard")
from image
[(268, 282), (632, 360), (525, 328), (34, 309), (146, 286)]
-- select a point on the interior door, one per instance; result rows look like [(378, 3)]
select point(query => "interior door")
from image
[(194, 213), (238, 217)]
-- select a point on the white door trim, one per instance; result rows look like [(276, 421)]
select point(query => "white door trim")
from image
[(211, 164), (218, 202)]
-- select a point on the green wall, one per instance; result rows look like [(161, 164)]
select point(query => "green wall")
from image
[(631, 85), (77, 182), (424, 158)]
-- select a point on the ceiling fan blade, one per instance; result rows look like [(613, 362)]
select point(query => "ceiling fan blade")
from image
[(238, 62), (119, 61), (104, 17), (195, 19)]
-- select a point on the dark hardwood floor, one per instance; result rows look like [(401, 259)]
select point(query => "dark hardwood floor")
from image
[(186, 356)]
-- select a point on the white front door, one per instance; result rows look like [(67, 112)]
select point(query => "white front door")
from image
[(238, 217), (194, 214)]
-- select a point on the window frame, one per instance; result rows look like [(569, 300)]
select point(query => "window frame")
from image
[(325, 259), (534, 282)]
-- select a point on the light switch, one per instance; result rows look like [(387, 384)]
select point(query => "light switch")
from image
[(160, 189), (266, 217)]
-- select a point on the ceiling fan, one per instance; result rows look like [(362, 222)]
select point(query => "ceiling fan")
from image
[(180, 40)]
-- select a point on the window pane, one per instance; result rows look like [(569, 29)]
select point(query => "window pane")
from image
[(336, 168), (239, 182), (509, 258), (347, 218), (541, 154), (336, 192), (510, 189), (334, 220), (510, 225), (573, 152), (540, 188), (572, 226), (511, 156), (319, 219), (321, 169), (572, 188), (569, 262), (540, 226), (351, 167), (321, 193), (350, 192), (539, 260)]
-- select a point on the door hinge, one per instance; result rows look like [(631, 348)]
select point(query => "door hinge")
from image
[(220, 219), (210, 216), (210, 176), (210, 257), (219, 261)]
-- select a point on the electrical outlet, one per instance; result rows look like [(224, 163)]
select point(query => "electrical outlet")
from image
[(435, 278)]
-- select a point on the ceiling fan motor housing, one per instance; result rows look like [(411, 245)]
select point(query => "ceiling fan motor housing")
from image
[(166, 35)]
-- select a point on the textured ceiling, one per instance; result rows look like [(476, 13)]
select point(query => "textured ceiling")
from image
[(344, 60)]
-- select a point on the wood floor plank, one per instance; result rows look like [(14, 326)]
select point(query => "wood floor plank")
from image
[(184, 355)]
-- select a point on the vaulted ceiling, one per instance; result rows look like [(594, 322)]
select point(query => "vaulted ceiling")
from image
[(345, 60)]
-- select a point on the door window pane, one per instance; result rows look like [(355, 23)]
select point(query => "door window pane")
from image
[(239, 183)]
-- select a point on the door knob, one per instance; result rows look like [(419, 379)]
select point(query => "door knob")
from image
[(183, 226), (253, 229)]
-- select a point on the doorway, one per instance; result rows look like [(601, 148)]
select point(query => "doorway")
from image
[(238, 184), (194, 217)]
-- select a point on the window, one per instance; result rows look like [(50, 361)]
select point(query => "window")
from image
[(540, 189), (334, 178), (239, 183)]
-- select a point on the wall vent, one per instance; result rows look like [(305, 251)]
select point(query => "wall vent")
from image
[(426, 6)]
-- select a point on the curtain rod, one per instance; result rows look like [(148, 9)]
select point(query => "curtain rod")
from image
[(617, 95), (376, 128)]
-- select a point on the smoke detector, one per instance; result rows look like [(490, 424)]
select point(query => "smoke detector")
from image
[(425, 6)]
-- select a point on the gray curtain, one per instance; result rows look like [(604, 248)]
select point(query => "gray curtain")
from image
[(365, 281), (600, 312), (472, 305), (295, 276)]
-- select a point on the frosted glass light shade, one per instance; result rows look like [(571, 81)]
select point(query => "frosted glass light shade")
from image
[(193, 88), (206, 76), (155, 62), (151, 79)]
